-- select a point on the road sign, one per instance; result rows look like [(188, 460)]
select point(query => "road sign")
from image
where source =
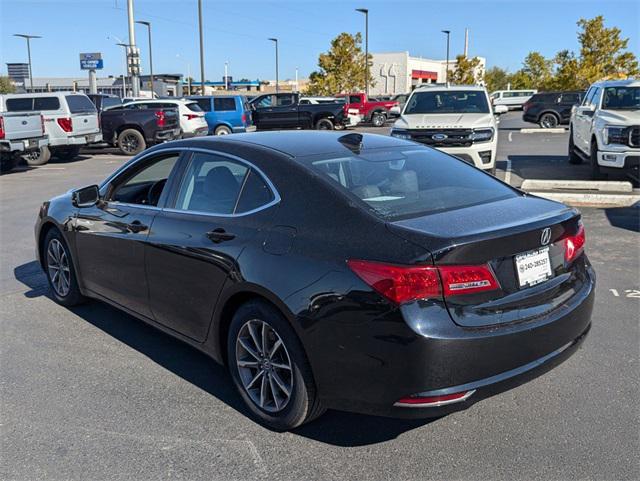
[(91, 61)]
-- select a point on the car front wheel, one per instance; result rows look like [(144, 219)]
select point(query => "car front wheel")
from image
[(596, 174), (574, 158), (59, 269), (269, 368)]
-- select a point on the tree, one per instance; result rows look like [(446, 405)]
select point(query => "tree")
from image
[(602, 52), (566, 71), (496, 78), (6, 87), (342, 68), (467, 72), (538, 70)]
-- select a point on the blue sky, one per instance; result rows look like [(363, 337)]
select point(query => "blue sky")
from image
[(237, 31)]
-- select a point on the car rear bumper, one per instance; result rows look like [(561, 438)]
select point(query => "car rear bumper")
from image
[(241, 130), (200, 132), (23, 145), (435, 357), (73, 140), (164, 135)]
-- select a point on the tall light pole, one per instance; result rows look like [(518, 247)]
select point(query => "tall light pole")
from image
[(148, 25), (28, 38), (275, 40), (133, 57), (201, 46), (446, 69), (366, 48), (226, 73)]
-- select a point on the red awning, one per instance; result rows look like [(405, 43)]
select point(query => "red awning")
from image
[(424, 74)]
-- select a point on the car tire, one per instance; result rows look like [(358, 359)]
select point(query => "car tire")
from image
[(339, 127), (37, 157), (68, 153), (596, 174), (378, 119), (222, 130), (262, 386), (324, 124), (131, 142), (7, 162), (58, 267), (574, 157), (548, 120)]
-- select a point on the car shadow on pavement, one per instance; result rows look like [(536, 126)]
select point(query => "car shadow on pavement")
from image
[(334, 427), (624, 217)]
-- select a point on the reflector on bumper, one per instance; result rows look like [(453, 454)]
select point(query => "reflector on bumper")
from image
[(417, 401)]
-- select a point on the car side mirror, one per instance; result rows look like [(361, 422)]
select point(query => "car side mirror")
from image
[(500, 109), (85, 197), (586, 110)]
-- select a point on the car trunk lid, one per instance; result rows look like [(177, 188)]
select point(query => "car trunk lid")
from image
[(515, 238)]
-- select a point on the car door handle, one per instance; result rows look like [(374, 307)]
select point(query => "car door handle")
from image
[(220, 235), (136, 226)]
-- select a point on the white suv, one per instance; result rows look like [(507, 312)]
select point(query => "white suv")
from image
[(192, 121), (458, 120), (70, 121), (605, 129)]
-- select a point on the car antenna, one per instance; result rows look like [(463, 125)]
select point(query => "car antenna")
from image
[(353, 142)]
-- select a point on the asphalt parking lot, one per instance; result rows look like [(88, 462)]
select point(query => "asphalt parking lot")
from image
[(92, 393)]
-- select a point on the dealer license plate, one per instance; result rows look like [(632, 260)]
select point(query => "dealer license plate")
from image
[(533, 267)]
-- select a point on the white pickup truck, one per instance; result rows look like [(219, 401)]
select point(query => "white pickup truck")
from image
[(20, 134), (605, 129)]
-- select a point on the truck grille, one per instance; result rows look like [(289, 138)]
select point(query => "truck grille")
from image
[(442, 137), (634, 136)]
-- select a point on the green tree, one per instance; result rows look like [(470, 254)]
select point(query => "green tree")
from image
[(467, 72), (496, 78), (6, 87), (538, 70), (566, 71), (342, 68), (603, 52)]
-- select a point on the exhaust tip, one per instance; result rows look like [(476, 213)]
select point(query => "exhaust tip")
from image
[(421, 401)]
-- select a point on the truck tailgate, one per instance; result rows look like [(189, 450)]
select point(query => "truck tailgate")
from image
[(20, 126)]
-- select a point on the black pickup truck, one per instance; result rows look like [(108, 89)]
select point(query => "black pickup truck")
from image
[(284, 111), (132, 129)]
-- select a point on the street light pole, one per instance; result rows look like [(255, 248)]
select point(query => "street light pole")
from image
[(366, 48), (148, 25), (201, 47), (132, 58), (28, 38), (446, 69), (275, 40)]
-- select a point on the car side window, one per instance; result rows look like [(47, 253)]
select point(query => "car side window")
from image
[(354, 99), (266, 101), (224, 104), (205, 104), (595, 99), (144, 185), (588, 96), (284, 100), (255, 193)]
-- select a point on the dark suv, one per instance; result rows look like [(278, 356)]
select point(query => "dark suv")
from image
[(550, 109)]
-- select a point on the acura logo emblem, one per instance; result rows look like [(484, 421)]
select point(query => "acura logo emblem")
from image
[(545, 237), (439, 136)]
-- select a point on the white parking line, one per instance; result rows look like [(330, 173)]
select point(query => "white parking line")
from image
[(510, 134)]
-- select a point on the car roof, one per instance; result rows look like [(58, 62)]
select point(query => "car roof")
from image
[(302, 143), (630, 82), (44, 94), (433, 88)]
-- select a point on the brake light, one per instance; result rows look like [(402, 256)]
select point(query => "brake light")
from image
[(65, 124), (574, 245), (160, 118), (1, 128), (244, 118), (191, 116), (402, 284)]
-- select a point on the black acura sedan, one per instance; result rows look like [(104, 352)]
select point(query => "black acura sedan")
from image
[(330, 270)]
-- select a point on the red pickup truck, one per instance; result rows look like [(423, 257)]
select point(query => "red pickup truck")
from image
[(370, 111)]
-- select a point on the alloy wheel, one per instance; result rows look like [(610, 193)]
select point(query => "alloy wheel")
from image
[(130, 143), (264, 365), (58, 268), (549, 121)]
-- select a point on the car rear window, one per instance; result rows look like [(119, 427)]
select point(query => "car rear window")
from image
[(110, 102), (194, 107), (80, 104), (30, 104), (402, 182), (224, 104), (448, 101), (545, 98)]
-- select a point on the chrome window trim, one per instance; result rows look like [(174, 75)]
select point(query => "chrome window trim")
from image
[(115, 203)]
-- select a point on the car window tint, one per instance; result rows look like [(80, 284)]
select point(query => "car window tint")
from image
[(145, 185), (80, 104), (284, 100), (205, 104), (454, 101), (409, 182), (211, 184), (110, 102), (19, 104), (265, 101), (46, 103), (224, 104), (193, 107), (354, 99), (255, 193), (570, 98)]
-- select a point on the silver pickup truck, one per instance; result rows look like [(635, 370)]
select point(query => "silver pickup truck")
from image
[(20, 135)]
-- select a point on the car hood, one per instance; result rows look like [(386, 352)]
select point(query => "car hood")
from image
[(619, 117), (445, 121)]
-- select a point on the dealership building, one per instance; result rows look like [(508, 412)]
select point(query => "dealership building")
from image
[(398, 72)]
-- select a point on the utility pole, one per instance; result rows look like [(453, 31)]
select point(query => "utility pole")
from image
[(133, 57), (446, 70), (148, 25), (28, 38), (275, 40), (201, 47), (366, 48)]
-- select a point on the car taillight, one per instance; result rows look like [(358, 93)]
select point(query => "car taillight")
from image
[(191, 116), (1, 128), (42, 123), (160, 118), (243, 119), (402, 284), (574, 245), (65, 124)]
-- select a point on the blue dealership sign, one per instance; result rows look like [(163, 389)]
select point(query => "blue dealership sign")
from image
[(91, 61)]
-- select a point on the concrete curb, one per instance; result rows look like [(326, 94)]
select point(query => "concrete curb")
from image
[(543, 131), (585, 199), (617, 187)]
